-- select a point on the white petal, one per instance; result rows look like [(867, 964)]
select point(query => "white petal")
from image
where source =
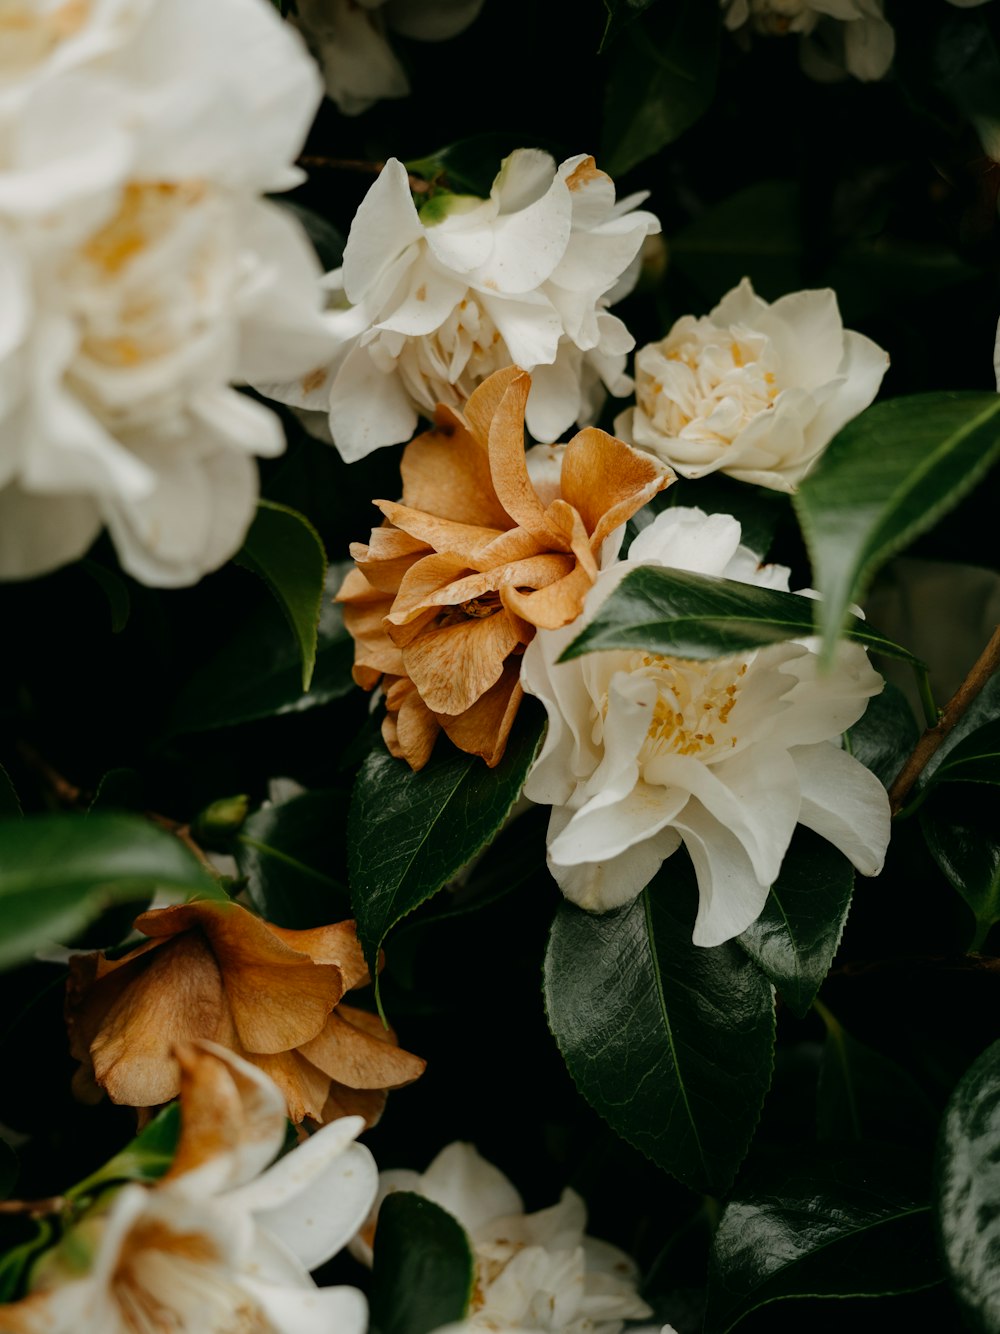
[(730, 896), (311, 1310), (368, 409), (609, 883), (471, 1189), (384, 225), (40, 533), (688, 539), (844, 803)]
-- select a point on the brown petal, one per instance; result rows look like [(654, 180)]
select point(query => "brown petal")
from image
[(342, 1101), (277, 996), (485, 399), (553, 606), (451, 667), (305, 1088), (352, 1056), (387, 557), (337, 944), (410, 729), (510, 470), (484, 728), (464, 540), (607, 481), (426, 585), (447, 472)]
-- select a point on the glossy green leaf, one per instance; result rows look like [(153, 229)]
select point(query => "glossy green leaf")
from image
[(887, 477), (59, 872), (976, 759), (9, 803), (285, 549), (863, 1095), (850, 1223), (257, 673), (670, 1042), (757, 231), (409, 833), (960, 828), (686, 615), (292, 855), (884, 735), (423, 1271), (796, 936), (967, 1191), (662, 80), (115, 589), (146, 1158)]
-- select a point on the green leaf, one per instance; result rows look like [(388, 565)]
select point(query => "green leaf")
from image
[(620, 14), (887, 477), (292, 856), (59, 872), (967, 1191), (885, 735), (118, 790), (9, 803), (960, 828), (756, 231), (15, 1263), (852, 1223), (146, 1158), (662, 80), (862, 1095), (409, 833), (423, 1271), (670, 1042), (115, 589), (976, 759), (285, 549), (686, 615), (796, 936), (257, 674), (470, 165)]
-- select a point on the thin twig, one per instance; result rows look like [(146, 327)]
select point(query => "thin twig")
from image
[(54, 1204), (65, 792), (985, 665)]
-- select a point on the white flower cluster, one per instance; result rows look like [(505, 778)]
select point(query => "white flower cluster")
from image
[(753, 390), (839, 35), (644, 752), (142, 274), (437, 300), (538, 1272), (350, 42)]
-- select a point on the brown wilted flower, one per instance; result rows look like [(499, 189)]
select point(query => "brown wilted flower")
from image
[(488, 544), (212, 970)]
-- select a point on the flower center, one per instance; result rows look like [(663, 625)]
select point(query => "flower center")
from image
[(775, 18), (693, 705), (705, 381), (27, 36), (447, 365)]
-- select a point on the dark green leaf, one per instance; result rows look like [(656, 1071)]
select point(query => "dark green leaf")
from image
[(976, 759), (686, 615), (257, 674), (620, 14), (796, 936), (662, 80), (409, 833), (9, 804), (8, 1170), (292, 855), (967, 1191), (853, 1223), (285, 549), (862, 1094), (119, 790), (423, 1271), (960, 827), (114, 588), (14, 1265), (885, 735), (469, 166), (757, 231), (59, 872), (887, 477), (670, 1042)]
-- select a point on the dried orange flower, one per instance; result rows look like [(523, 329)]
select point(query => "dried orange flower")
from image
[(212, 970), (488, 544)]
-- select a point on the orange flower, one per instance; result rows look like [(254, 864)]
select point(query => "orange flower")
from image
[(214, 971), (450, 590)]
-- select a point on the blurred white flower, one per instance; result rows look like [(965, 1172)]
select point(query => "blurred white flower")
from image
[(753, 389), (644, 752), (349, 39), (851, 35), (537, 1271), (219, 1244), (142, 275), (441, 299)]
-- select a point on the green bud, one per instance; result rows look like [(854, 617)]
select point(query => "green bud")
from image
[(221, 818)]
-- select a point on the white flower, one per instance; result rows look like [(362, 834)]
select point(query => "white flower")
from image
[(141, 275), (217, 1245), (348, 36), (839, 34), (644, 752), (441, 299), (756, 390), (533, 1271)]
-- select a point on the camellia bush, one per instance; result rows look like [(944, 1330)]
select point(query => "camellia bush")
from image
[(501, 717)]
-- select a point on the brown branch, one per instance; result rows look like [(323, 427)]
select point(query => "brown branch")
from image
[(54, 1204), (985, 665), (64, 792)]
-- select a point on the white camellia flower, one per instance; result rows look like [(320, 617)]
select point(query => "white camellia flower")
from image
[(537, 1271), (839, 34), (440, 299), (645, 752), (142, 275), (219, 1244), (754, 389), (349, 39)]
